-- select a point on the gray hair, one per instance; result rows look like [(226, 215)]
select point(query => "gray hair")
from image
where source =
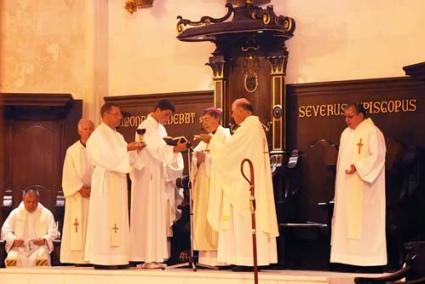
[(31, 191), (83, 121)]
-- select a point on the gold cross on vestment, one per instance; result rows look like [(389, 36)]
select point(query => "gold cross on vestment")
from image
[(360, 145), (76, 224), (115, 228)]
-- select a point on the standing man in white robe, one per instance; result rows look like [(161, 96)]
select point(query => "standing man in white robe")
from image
[(149, 222), (29, 232), (76, 180), (358, 232), (107, 241), (205, 238), (233, 219)]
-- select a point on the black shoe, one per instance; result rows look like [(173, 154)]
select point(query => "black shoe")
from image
[(242, 268)]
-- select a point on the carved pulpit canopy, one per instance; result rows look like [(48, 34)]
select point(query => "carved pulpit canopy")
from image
[(247, 18), (245, 2)]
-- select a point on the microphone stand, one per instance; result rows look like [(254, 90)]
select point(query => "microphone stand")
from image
[(192, 261)]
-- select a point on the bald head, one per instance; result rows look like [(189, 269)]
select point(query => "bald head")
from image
[(85, 129), (241, 109)]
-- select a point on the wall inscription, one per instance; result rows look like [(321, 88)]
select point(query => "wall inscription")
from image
[(179, 118), (372, 106)]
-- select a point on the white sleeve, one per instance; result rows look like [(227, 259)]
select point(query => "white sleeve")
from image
[(370, 167)]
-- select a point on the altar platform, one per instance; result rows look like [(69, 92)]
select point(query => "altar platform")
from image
[(83, 275)]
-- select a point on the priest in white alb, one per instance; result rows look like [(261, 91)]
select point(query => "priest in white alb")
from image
[(233, 219), (107, 241), (358, 231), (29, 231), (150, 222), (205, 237), (76, 181)]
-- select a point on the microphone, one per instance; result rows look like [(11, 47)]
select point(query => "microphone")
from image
[(232, 127), (293, 160)]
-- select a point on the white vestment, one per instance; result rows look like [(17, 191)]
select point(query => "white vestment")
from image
[(77, 172), (150, 218), (22, 225), (107, 240), (205, 238), (358, 232), (233, 217), (173, 197)]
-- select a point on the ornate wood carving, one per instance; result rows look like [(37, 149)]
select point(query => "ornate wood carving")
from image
[(218, 65), (249, 61)]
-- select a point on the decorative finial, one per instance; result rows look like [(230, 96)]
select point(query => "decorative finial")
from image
[(132, 5)]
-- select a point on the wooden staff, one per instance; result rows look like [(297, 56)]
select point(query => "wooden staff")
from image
[(251, 182)]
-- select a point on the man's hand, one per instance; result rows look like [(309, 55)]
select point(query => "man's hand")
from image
[(39, 242), (352, 170), (180, 147), (200, 157), (18, 243), (135, 146), (203, 136), (85, 191)]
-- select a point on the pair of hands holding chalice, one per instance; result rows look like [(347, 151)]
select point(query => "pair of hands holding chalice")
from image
[(139, 144)]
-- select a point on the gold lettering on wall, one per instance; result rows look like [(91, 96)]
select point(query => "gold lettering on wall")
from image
[(182, 118), (132, 121), (372, 107), (175, 119)]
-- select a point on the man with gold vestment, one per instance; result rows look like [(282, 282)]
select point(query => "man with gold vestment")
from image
[(205, 237)]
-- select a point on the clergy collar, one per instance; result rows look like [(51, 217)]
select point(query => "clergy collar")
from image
[(82, 144)]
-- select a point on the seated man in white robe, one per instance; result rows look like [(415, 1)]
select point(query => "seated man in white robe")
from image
[(205, 238), (358, 225), (233, 218), (76, 181), (29, 232)]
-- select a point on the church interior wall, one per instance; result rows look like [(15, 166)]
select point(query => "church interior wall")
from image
[(93, 49)]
